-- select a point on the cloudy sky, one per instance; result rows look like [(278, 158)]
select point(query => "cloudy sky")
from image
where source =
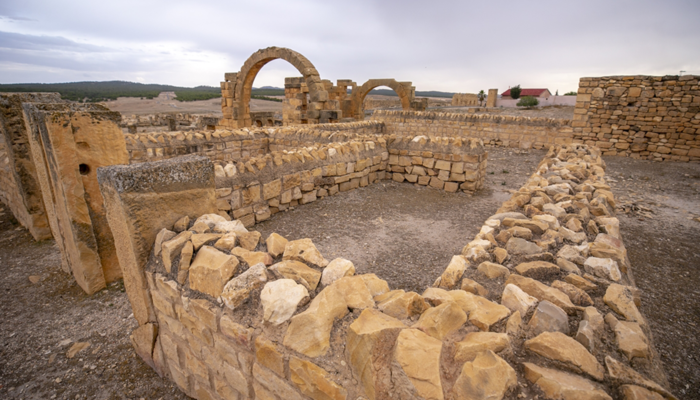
[(457, 46)]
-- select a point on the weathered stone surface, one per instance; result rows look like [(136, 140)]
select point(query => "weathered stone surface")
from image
[(163, 236), (249, 240), (375, 285), (267, 385), (200, 239), (267, 355), (309, 332), (493, 271), (227, 242), (603, 268), (453, 273), (436, 296), (542, 292), (185, 260), (487, 377), (210, 220), (276, 244), (521, 246), (200, 227), (594, 318), (442, 320), (182, 224), (629, 337), (633, 392), (337, 269), (536, 227), (142, 338), (576, 295), (572, 254), (280, 299), (172, 248), (550, 220), (520, 232), (559, 347), (500, 254), (418, 356), (477, 342), (622, 374), (580, 282), (224, 226), (400, 304), (481, 312), (561, 385), (537, 269), (571, 236), (210, 271), (621, 299), (304, 250), (80, 346), (313, 381), (474, 287), (370, 339), (554, 210), (585, 335), (517, 300), (476, 254), (252, 257), (238, 289), (548, 318), (568, 266), (298, 272), (514, 324)]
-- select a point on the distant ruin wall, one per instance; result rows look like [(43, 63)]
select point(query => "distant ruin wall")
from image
[(465, 99), (652, 117), (494, 130)]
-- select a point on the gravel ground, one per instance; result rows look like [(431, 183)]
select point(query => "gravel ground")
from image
[(403, 233)]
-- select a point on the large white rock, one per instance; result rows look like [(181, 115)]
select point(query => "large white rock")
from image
[(280, 299)]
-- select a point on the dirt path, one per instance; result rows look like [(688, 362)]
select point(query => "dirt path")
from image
[(404, 234)]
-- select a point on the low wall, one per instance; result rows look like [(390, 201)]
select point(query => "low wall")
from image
[(549, 101), (237, 317), (505, 131), (653, 117)]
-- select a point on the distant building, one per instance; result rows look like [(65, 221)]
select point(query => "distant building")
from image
[(541, 93)]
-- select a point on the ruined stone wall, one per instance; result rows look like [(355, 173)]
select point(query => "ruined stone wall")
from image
[(465, 99), (494, 130), (541, 303), (167, 122), (239, 144), (652, 117), (19, 188)]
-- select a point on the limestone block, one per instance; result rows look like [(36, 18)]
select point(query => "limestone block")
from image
[(520, 246), (272, 189), (442, 320), (267, 385), (548, 318), (238, 289), (337, 269), (226, 242), (621, 300), (314, 381), (267, 355), (482, 312), (580, 282), (185, 260), (633, 392), (298, 272), (453, 273), (304, 250), (576, 295), (418, 356), (200, 239), (559, 347), (478, 342), (517, 300), (621, 373), (487, 377), (493, 271), (280, 299), (476, 254), (252, 257), (355, 292), (172, 248), (474, 287), (400, 304), (275, 244), (562, 385), (143, 339), (513, 324), (163, 236), (603, 268), (211, 270), (629, 337), (375, 285), (235, 226), (370, 339), (542, 292), (249, 240)]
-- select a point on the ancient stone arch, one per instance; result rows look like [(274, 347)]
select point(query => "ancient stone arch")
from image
[(237, 86), (405, 90)]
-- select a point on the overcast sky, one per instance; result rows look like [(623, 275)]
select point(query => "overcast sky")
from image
[(456, 46)]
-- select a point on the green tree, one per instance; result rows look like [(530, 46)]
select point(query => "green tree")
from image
[(570, 94), (528, 102), (481, 96), (515, 92)]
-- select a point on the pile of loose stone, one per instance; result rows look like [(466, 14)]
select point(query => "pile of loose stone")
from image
[(541, 302)]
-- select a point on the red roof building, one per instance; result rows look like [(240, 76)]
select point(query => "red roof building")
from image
[(541, 93)]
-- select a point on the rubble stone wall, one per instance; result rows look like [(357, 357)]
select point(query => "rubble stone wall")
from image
[(652, 117), (494, 130), (541, 303)]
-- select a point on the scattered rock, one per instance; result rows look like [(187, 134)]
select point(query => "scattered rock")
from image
[(418, 355), (276, 244), (477, 342), (476, 254), (561, 385), (537, 269), (337, 269), (501, 254), (182, 224), (77, 348), (513, 324), (474, 287), (249, 240), (585, 335), (185, 261), (581, 283), (571, 253), (313, 380), (210, 270), (442, 320), (622, 374), (542, 292), (235, 226), (521, 246), (632, 392), (200, 239), (568, 266), (621, 300), (172, 248), (400, 304), (603, 268), (280, 299), (354, 291), (453, 273), (305, 251), (482, 313), (517, 300), (238, 289), (375, 285), (594, 318), (493, 271), (298, 272), (629, 337), (576, 295), (548, 318), (34, 279), (227, 242), (487, 377), (559, 347), (252, 257), (163, 236)]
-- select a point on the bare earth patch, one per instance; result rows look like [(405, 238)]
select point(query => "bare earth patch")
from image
[(403, 233)]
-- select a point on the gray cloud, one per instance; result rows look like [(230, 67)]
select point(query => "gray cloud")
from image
[(443, 45)]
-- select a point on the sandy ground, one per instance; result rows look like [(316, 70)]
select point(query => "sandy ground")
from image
[(379, 228), (558, 112)]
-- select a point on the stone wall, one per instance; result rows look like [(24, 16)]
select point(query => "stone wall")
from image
[(160, 122), (19, 188), (541, 303), (494, 130), (652, 117), (465, 99)]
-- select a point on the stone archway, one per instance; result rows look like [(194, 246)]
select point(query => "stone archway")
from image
[(237, 87), (405, 90)]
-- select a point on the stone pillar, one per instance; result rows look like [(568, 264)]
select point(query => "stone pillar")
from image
[(493, 96), (295, 101), (228, 87)]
